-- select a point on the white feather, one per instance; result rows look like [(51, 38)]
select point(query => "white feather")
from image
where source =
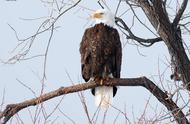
[(103, 96)]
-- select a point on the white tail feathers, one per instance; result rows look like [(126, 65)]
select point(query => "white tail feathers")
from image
[(103, 96)]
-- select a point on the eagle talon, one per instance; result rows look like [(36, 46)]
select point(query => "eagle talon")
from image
[(101, 82), (106, 79), (98, 81)]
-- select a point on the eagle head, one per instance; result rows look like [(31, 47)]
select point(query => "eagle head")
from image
[(104, 16)]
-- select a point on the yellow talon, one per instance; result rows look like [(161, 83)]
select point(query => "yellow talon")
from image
[(101, 82)]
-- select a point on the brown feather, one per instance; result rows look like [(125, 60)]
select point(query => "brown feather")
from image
[(101, 53)]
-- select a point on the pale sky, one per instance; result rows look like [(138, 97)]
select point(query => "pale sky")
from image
[(64, 59)]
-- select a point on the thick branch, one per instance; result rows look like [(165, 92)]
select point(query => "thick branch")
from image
[(12, 109), (180, 13)]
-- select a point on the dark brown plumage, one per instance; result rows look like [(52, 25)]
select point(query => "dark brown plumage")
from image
[(100, 51)]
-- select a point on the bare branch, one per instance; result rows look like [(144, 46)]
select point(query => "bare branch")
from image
[(29, 88), (144, 42), (76, 3), (26, 44), (70, 119), (2, 100), (117, 7), (12, 109), (100, 4), (180, 13), (135, 15), (83, 101), (46, 52)]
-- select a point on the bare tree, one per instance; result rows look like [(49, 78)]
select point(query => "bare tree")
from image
[(168, 29)]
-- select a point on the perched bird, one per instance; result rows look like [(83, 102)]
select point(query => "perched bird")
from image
[(101, 55)]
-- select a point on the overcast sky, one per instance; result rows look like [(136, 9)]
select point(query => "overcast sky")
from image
[(64, 61)]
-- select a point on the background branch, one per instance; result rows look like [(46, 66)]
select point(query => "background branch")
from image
[(142, 41), (12, 109)]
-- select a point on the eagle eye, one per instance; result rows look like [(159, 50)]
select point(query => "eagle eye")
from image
[(101, 13)]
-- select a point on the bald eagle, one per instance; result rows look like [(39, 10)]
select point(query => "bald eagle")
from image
[(100, 51)]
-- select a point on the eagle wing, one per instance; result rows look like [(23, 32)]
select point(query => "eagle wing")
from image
[(118, 54), (86, 59)]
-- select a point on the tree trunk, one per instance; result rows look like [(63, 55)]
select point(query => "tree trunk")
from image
[(171, 35)]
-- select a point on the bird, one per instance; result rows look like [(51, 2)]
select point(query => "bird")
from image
[(101, 56)]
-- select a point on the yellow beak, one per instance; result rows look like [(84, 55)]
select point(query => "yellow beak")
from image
[(96, 16)]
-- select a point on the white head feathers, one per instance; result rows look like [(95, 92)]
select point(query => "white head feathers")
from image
[(104, 16)]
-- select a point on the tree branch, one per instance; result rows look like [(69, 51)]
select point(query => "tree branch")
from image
[(142, 41), (180, 13), (12, 109)]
